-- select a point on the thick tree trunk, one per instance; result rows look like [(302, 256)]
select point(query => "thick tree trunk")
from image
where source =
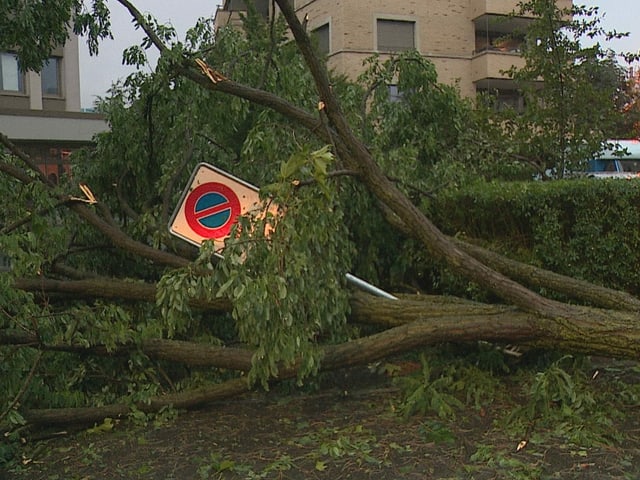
[(356, 155), (419, 320), (416, 320), (537, 277)]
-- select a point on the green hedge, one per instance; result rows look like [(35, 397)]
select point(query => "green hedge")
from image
[(586, 228)]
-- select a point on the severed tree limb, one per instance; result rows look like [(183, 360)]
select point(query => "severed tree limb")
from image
[(360, 351), (547, 323), (103, 287), (416, 320), (89, 415), (533, 276), (581, 290), (356, 156), (539, 277)]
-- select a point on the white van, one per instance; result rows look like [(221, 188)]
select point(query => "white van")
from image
[(622, 160)]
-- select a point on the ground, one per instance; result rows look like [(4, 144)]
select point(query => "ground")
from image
[(348, 429)]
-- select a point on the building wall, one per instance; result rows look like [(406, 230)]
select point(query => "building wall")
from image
[(445, 33), (450, 33), (49, 126), (32, 98)]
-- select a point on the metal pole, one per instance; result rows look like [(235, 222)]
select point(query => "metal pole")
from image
[(367, 287)]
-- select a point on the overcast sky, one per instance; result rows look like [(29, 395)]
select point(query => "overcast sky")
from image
[(97, 74), (620, 15)]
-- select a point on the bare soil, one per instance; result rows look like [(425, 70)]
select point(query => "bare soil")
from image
[(348, 429)]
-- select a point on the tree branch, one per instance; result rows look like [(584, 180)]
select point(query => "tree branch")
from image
[(139, 18), (421, 227), (4, 140)]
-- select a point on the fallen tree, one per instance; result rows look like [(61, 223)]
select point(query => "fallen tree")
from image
[(410, 322), (54, 285)]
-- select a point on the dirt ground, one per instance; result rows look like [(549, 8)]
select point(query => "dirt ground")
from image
[(349, 429)]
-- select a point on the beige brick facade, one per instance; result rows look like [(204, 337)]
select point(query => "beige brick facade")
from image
[(42, 114), (461, 37)]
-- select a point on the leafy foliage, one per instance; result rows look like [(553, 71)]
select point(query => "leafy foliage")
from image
[(421, 126), (287, 297), (566, 117), (284, 271), (33, 29), (158, 133), (438, 388), (561, 399), (579, 227)]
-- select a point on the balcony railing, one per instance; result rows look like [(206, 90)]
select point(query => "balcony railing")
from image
[(493, 64), (504, 7)]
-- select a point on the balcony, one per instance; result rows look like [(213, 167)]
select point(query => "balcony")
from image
[(503, 7), (498, 44), (500, 33), (492, 64), (231, 11), (495, 7)]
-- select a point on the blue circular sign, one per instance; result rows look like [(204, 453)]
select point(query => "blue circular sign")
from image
[(211, 209)]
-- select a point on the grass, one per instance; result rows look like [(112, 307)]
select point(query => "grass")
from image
[(449, 416)]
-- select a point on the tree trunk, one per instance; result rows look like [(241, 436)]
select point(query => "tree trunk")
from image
[(420, 321)]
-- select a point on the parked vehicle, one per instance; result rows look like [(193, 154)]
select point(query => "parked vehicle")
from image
[(621, 160)]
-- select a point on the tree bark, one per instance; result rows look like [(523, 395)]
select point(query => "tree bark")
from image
[(580, 290), (89, 415), (429, 321), (573, 288)]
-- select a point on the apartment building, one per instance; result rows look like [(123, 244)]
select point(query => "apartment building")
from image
[(465, 39), (40, 112)]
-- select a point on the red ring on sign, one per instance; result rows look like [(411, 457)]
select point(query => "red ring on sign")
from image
[(204, 202)]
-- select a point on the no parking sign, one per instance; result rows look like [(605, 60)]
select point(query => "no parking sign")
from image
[(211, 204)]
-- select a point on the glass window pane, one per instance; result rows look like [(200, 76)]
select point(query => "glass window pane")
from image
[(321, 34), (51, 77), (10, 76)]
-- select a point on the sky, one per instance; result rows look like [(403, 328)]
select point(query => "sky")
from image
[(622, 16), (97, 74)]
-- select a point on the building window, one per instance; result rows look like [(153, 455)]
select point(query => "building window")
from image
[(395, 35), (50, 75), (395, 95), (321, 36), (11, 78)]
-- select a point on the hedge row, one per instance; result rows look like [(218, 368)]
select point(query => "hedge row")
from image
[(586, 228)]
